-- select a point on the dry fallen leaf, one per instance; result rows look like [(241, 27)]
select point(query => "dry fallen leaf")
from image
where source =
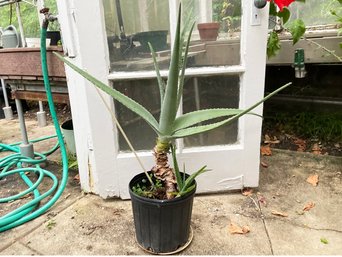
[(245, 229), (266, 150), (278, 213), (268, 140), (247, 191), (235, 229), (313, 179), (264, 164), (309, 206), (77, 177), (316, 149), (262, 200), (301, 144)]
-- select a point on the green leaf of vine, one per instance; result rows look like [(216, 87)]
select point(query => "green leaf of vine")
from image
[(273, 44), (273, 9), (285, 15), (297, 30)]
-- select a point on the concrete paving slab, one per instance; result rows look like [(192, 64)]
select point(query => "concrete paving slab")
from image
[(212, 216), (89, 225), (293, 239), (18, 248), (10, 133), (284, 188), (92, 226), (70, 195)]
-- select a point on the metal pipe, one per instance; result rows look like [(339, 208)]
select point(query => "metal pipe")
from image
[(21, 121), (4, 92), (21, 28), (41, 108), (120, 19), (7, 109), (26, 148), (4, 3), (40, 5)]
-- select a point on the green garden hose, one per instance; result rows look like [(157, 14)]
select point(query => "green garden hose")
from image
[(14, 164)]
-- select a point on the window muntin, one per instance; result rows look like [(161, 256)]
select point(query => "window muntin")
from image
[(134, 75), (212, 92)]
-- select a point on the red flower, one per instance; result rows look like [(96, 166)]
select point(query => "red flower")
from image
[(282, 3)]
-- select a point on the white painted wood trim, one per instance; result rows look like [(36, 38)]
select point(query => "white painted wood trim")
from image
[(253, 47), (205, 14), (93, 127), (203, 71)]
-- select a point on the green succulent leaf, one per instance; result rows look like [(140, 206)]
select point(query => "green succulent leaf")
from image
[(273, 44), (169, 107), (191, 178), (185, 191), (126, 101), (176, 168), (200, 129), (184, 61), (297, 30), (193, 118), (161, 82)]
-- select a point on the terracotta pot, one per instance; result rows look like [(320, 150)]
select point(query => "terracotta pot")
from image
[(208, 31)]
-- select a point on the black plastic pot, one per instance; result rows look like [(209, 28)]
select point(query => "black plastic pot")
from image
[(161, 226), (158, 39), (55, 36)]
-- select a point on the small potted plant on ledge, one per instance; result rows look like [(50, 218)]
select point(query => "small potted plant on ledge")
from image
[(226, 15), (162, 199), (208, 31)]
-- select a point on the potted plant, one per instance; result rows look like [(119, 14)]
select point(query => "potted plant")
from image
[(208, 31), (226, 13), (162, 199)]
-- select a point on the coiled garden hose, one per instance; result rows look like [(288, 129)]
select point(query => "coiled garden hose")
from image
[(14, 164)]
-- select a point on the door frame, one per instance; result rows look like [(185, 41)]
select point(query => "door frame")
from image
[(105, 171)]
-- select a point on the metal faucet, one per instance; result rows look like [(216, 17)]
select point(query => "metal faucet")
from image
[(299, 64), (48, 17)]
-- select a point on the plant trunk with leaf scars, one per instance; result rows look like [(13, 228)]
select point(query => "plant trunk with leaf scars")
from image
[(162, 169)]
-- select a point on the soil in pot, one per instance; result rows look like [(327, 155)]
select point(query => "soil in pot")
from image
[(162, 226)]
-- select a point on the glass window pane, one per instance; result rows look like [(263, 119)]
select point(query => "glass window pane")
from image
[(314, 12), (130, 25), (146, 93), (212, 92), (216, 37)]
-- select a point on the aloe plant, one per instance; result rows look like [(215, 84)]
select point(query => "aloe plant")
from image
[(169, 126)]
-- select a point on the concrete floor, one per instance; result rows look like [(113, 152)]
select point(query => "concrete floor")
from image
[(85, 224)]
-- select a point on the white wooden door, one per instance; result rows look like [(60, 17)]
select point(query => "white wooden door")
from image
[(229, 71)]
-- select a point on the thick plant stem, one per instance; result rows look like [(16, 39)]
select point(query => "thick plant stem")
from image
[(162, 168)]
